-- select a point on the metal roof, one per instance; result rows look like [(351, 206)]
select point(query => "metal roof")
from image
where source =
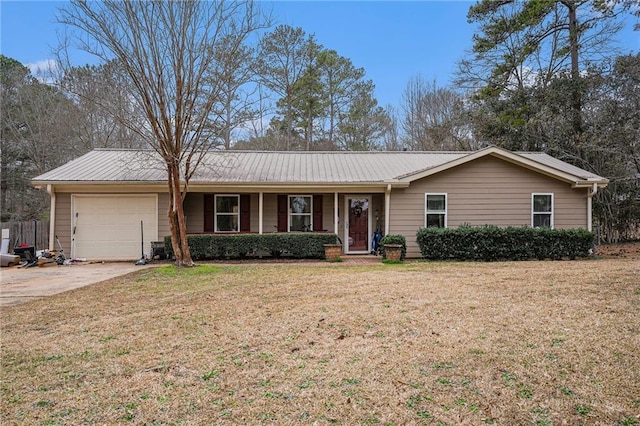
[(268, 167)]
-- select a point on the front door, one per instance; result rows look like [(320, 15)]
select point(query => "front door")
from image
[(357, 227)]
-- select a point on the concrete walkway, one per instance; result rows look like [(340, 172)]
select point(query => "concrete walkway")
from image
[(19, 285)]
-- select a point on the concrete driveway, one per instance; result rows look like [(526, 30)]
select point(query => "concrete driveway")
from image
[(19, 285)]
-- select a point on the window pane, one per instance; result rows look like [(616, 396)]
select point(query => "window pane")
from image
[(436, 203), (542, 203), (300, 223), (227, 223), (227, 204), (435, 220), (300, 204), (542, 221)]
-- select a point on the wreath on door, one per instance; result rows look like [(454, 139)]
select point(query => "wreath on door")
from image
[(357, 208)]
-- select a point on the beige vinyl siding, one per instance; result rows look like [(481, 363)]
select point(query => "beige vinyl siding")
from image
[(64, 222), (194, 213), (487, 191), (163, 219)]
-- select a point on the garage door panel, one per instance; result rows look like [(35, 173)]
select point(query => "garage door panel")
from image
[(108, 226)]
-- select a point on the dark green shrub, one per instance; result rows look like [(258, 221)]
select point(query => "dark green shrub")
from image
[(239, 246), (491, 243), (394, 239)]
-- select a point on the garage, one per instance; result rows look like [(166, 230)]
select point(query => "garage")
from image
[(107, 227)]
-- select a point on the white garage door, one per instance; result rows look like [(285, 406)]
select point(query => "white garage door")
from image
[(108, 226)]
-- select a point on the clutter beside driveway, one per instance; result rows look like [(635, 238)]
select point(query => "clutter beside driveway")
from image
[(19, 285)]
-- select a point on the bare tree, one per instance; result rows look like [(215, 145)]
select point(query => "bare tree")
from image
[(103, 95), (35, 136), (239, 95), (434, 117), (166, 48)]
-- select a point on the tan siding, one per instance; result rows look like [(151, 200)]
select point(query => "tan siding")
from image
[(487, 191), (194, 212), (163, 219), (63, 226), (270, 213), (254, 225)]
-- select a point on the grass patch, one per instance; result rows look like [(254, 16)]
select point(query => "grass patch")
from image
[(434, 343)]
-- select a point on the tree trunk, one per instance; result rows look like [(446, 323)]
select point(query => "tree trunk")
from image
[(576, 97), (176, 218)]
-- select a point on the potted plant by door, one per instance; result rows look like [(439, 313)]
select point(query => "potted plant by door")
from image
[(332, 252), (393, 252)]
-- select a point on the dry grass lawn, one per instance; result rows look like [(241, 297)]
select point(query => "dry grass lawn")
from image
[(527, 343)]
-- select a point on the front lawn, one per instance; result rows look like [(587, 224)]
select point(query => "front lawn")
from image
[(535, 343)]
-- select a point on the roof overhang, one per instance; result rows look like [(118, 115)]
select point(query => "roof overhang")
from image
[(514, 158), (155, 186)]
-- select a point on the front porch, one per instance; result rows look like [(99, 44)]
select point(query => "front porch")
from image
[(354, 217)]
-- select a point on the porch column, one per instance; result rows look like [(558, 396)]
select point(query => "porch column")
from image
[(336, 227), (387, 203), (260, 212)]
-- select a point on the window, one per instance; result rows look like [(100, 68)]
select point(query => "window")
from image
[(542, 210), (227, 213), (435, 210), (300, 213)]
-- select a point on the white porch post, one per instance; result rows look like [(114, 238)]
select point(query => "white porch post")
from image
[(387, 202), (260, 212), (336, 227)]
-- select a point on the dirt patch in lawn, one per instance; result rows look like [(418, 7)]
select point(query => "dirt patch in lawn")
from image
[(435, 343), (629, 250)]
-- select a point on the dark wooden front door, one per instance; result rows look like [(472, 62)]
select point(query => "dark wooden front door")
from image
[(358, 224)]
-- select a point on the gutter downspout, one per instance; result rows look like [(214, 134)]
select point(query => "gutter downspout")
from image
[(52, 217), (387, 202), (591, 193)]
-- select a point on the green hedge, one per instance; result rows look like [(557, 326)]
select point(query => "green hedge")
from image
[(491, 243), (394, 239), (238, 246)]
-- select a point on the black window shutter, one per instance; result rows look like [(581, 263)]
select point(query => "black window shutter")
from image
[(317, 212), (208, 212), (245, 213), (283, 210)]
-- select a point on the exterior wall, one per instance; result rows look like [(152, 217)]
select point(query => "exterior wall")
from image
[(487, 191), (194, 210), (163, 219), (63, 227)]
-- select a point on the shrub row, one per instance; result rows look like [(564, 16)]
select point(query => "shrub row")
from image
[(491, 243), (394, 239), (238, 246)]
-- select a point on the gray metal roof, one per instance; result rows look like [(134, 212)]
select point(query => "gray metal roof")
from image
[(265, 167)]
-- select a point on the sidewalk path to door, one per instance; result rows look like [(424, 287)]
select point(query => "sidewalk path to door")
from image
[(19, 285)]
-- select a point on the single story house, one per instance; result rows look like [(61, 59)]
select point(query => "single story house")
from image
[(99, 200)]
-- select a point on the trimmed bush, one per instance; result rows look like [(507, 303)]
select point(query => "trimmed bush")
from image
[(238, 246), (394, 239), (491, 243)]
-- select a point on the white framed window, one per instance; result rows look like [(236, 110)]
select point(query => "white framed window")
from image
[(227, 213), (542, 210), (300, 213), (435, 208)]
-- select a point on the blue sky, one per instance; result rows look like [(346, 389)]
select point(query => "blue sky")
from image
[(392, 40)]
